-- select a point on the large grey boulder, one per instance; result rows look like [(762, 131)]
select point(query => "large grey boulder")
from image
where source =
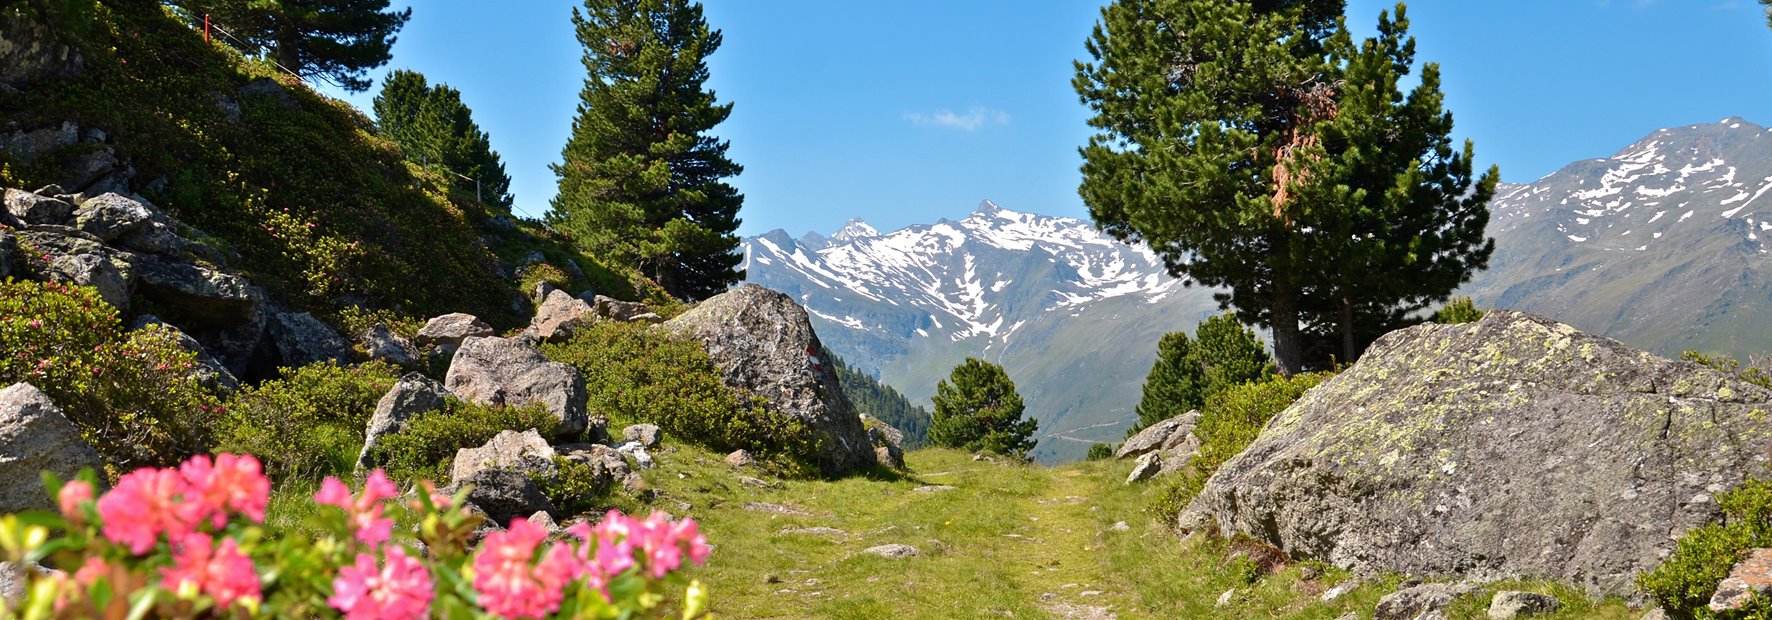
[(1166, 435), (32, 209), (1511, 446), (301, 339), (383, 344), (763, 343), (887, 440), (109, 216), (508, 371), (503, 494), (196, 294), (35, 437), (523, 451), (413, 394), (558, 317), (94, 270), (451, 329)]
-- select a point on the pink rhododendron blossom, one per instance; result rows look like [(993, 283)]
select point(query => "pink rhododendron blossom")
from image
[(229, 483), (365, 509), (686, 533), (142, 505), (509, 585), (74, 493), (221, 572), (89, 573), (401, 589)]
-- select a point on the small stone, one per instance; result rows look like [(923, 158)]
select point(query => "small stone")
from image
[(1418, 601), (450, 329), (771, 578), (1229, 596), (740, 458), (1339, 590), (933, 488), (1510, 604), (893, 552), (775, 508), (754, 482), (638, 452), (646, 434), (1120, 526)]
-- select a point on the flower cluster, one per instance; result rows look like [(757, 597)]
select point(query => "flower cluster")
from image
[(348, 562)]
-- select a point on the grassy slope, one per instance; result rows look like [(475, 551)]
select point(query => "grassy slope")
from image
[(1031, 541)]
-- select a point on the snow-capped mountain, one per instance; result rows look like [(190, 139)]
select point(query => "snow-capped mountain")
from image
[(1071, 313), (1663, 245)]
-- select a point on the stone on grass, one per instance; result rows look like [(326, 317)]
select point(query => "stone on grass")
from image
[(558, 317), (413, 394), (1510, 604), (645, 434), (893, 551), (1414, 602), (1163, 435), (1148, 466), (525, 451), (512, 373), (36, 437), (634, 450), (740, 458)]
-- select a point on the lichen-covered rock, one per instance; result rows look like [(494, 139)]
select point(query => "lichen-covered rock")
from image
[(1511, 446), (763, 344), (1749, 579), (525, 451), (1511, 604), (35, 437), (887, 441), (195, 294), (109, 216), (1419, 602), (503, 494), (94, 270), (32, 50), (301, 339), (893, 552), (451, 329), (1148, 466), (1165, 435), (645, 434), (32, 209), (506, 371), (383, 344), (558, 317), (413, 394)]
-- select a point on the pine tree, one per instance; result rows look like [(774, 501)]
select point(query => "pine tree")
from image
[(640, 179), (434, 127), (978, 409), (337, 40), (1223, 354), (1216, 146)]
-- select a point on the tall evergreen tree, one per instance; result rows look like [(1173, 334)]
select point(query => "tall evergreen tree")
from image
[(433, 126), (1223, 353), (978, 409), (640, 179), (1214, 147), (337, 40)]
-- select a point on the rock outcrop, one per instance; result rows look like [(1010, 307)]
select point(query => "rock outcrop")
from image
[(1512, 446), (1161, 448), (525, 451), (451, 329), (506, 371), (558, 317), (413, 394), (763, 344), (887, 440), (36, 437)]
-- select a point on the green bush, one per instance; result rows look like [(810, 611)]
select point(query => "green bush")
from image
[(574, 488), (308, 424), (1459, 310), (1684, 583), (635, 374), (1229, 422), (1099, 452), (425, 449), (131, 393)]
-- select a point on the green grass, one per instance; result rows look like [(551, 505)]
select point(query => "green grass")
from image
[(997, 544)]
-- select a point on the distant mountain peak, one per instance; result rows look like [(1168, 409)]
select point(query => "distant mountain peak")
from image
[(855, 229), (986, 207)]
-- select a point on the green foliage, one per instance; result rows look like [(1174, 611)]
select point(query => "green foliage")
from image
[(641, 179), (978, 409), (635, 374), (531, 275), (334, 40), (131, 393), (1229, 422), (1751, 373), (1188, 372), (881, 401), (1099, 451), (1460, 310), (434, 127), (425, 449), (574, 488), (1267, 154), (1685, 581), (309, 423)]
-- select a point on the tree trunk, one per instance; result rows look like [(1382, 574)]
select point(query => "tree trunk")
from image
[(1288, 349), (1348, 350)]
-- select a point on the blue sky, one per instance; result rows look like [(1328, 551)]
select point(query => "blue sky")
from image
[(908, 111)]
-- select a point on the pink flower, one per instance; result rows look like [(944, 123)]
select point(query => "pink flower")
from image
[(509, 585), (401, 589), (90, 572), (235, 483), (142, 505), (223, 573), (686, 534), (73, 494), (365, 510)]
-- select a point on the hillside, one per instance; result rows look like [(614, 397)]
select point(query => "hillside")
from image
[(1072, 314), (1662, 245)]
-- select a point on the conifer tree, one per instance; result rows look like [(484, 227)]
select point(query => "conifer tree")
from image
[(1216, 146), (338, 40), (1224, 353), (434, 127), (641, 179), (978, 409)]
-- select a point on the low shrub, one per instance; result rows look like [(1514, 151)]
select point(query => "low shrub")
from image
[(1750, 373), (1684, 583), (425, 449), (634, 374), (1099, 452), (131, 393), (1230, 421), (310, 422), (1458, 310), (574, 488)]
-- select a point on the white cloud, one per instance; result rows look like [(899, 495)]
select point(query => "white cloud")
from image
[(972, 120)]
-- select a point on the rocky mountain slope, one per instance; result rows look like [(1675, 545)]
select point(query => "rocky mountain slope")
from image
[(1071, 313), (1662, 245)]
